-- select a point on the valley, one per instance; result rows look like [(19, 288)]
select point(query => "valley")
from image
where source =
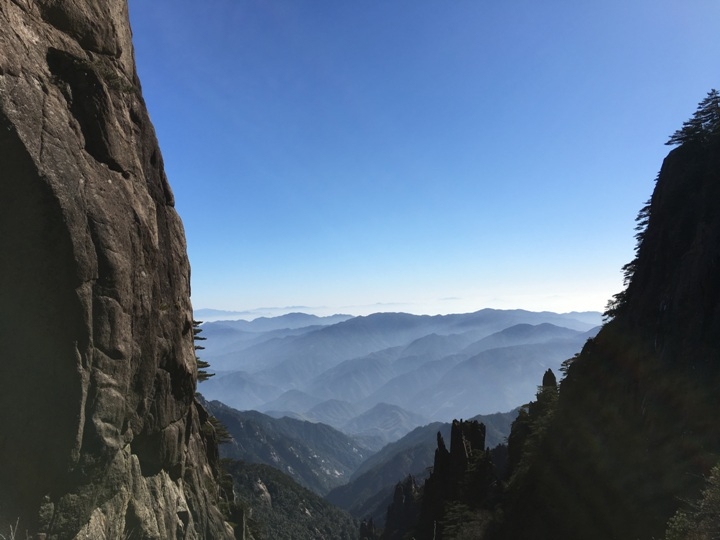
[(348, 407)]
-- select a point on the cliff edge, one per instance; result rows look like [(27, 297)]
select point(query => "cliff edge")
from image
[(101, 436)]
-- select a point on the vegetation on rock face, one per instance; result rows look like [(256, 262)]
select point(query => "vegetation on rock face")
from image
[(701, 520), (372, 486), (701, 131), (274, 507), (315, 455), (631, 436), (221, 432), (463, 483)]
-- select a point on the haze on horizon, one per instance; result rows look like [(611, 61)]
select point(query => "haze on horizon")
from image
[(413, 155)]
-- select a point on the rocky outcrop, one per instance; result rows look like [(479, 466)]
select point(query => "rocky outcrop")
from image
[(463, 475), (101, 436)]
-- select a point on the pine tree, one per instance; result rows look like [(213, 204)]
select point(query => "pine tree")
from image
[(223, 435), (704, 125), (202, 365)]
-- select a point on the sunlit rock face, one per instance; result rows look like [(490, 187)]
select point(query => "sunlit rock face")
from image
[(100, 435)]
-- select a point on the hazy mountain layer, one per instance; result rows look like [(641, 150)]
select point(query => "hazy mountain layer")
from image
[(438, 367)]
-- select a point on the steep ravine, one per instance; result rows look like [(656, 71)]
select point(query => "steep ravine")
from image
[(100, 433)]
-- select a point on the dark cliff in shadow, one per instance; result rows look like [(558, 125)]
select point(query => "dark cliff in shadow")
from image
[(634, 432)]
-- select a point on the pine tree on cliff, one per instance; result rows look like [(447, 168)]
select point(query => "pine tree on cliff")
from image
[(702, 128), (223, 434), (202, 365), (704, 125)]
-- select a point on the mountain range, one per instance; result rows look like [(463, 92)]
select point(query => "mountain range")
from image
[(378, 377)]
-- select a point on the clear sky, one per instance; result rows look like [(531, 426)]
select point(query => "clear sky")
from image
[(429, 156)]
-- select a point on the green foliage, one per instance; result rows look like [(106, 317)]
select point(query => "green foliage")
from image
[(619, 301), (528, 434), (565, 366), (222, 433), (462, 488), (462, 522), (704, 125), (276, 508), (702, 520), (315, 455)]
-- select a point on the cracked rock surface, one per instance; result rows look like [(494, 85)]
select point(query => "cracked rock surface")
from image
[(101, 435)]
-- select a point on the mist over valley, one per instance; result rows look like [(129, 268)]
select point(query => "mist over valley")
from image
[(378, 377)]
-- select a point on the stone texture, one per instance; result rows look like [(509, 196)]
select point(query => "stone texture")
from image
[(101, 436)]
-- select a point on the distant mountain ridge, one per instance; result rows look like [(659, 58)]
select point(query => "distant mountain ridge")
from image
[(288, 321), (335, 369)]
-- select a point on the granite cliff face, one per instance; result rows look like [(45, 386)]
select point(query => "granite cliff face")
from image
[(100, 434)]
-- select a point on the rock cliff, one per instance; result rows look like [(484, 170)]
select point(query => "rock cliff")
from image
[(100, 433)]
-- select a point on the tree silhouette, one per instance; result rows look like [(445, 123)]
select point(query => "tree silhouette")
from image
[(202, 365), (704, 125)]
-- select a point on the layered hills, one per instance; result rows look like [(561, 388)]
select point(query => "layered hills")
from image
[(380, 376)]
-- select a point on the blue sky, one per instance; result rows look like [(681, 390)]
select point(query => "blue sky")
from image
[(414, 155)]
